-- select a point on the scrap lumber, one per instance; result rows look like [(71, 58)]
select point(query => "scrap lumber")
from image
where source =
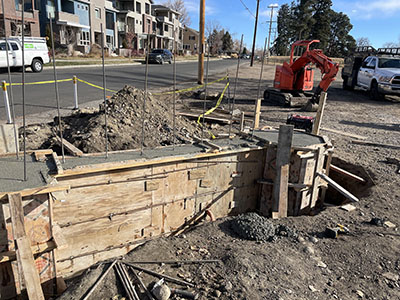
[(338, 187), (37, 191), (281, 183), (58, 164), (257, 113), (40, 155), (70, 147), (24, 251), (207, 143), (370, 143), (90, 292), (320, 113), (36, 249), (316, 182), (347, 173), (353, 135), (206, 118)]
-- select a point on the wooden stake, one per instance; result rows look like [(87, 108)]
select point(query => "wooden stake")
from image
[(320, 113), (242, 121), (24, 251), (257, 114), (281, 184)]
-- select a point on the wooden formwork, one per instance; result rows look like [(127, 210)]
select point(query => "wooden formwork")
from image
[(94, 212)]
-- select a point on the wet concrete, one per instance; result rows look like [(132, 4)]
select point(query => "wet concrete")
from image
[(11, 170)]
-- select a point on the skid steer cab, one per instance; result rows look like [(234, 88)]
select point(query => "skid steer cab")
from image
[(294, 81)]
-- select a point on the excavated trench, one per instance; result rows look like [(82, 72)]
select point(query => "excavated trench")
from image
[(357, 188)]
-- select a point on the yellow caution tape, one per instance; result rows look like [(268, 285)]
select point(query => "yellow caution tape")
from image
[(96, 86), (40, 82), (190, 89), (212, 109)]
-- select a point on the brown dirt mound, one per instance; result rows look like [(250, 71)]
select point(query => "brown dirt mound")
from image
[(86, 128)]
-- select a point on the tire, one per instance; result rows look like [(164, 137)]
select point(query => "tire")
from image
[(170, 61), (345, 86), (37, 65), (266, 95), (374, 92), (162, 61)]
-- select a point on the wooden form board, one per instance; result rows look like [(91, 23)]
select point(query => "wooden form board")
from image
[(26, 263), (135, 204)]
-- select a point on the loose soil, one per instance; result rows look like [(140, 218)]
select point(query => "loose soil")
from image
[(364, 264)]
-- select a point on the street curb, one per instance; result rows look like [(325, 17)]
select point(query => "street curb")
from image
[(116, 65)]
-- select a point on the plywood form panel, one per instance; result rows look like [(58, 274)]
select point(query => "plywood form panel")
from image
[(104, 233), (106, 199), (175, 214)]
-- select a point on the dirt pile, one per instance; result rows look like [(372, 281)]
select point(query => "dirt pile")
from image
[(86, 128), (254, 227)]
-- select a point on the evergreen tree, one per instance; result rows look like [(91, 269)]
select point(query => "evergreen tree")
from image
[(341, 42), (227, 43), (282, 42), (244, 51), (322, 27)]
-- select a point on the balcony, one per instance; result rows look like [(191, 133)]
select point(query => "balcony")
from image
[(121, 26), (67, 17), (163, 20)]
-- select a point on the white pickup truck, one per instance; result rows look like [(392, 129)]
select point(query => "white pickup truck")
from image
[(36, 52), (378, 73)]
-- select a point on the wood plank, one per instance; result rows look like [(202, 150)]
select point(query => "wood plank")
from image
[(207, 118), (36, 249), (338, 187), (40, 155), (296, 186), (320, 113), (280, 190), (70, 148), (353, 135), (346, 173), (197, 174), (316, 183), (151, 185), (24, 252), (374, 144), (36, 191), (58, 164), (257, 114)]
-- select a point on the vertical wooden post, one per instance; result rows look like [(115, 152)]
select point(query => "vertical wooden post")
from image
[(200, 78), (242, 121), (320, 113), (23, 249), (257, 114), (281, 184)]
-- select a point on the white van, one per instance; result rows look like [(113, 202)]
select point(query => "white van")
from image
[(36, 52)]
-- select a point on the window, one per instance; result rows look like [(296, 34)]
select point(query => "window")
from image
[(2, 46), (84, 38), (138, 7), (147, 8), (166, 27), (372, 63), (192, 38), (186, 47), (14, 46), (97, 13), (170, 16)]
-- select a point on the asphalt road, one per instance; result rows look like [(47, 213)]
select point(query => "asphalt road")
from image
[(40, 98)]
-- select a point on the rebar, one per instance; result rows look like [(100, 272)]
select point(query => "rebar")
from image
[(23, 86), (56, 89), (234, 92), (10, 83), (145, 90), (174, 99), (259, 86), (104, 90), (205, 93)]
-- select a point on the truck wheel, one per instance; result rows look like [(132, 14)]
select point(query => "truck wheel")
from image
[(37, 65), (266, 95), (345, 86), (374, 92)]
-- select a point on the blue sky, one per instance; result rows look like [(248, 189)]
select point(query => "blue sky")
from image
[(376, 19)]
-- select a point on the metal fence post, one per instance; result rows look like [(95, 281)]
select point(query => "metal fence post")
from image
[(75, 82), (6, 102)]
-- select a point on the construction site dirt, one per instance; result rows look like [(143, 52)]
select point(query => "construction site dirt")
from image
[(298, 261)]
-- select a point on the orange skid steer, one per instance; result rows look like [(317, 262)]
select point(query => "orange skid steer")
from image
[(295, 79)]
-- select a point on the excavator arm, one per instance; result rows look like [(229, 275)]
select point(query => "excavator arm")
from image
[(328, 69)]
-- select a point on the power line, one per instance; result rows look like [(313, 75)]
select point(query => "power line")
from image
[(247, 9)]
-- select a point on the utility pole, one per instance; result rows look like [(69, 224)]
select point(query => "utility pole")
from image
[(200, 78), (255, 35), (271, 6)]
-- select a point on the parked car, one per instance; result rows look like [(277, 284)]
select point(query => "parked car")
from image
[(160, 56), (36, 52), (375, 71)]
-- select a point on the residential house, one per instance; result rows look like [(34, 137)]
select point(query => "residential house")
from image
[(103, 12), (135, 21), (13, 14), (169, 28), (190, 40)]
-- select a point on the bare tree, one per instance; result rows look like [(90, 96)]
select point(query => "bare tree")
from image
[(212, 25), (179, 6), (363, 41)]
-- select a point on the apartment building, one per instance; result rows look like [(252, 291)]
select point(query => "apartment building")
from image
[(13, 14), (190, 41), (168, 28), (135, 21)]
